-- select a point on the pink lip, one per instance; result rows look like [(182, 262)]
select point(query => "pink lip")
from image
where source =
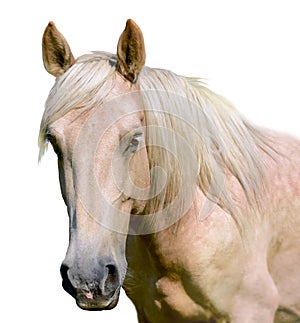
[(89, 295)]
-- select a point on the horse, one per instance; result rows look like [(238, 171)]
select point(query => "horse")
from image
[(171, 193)]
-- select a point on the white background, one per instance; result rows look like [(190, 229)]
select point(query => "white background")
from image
[(246, 50)]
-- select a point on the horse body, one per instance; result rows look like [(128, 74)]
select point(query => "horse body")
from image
[(170, 192), (201, 271)]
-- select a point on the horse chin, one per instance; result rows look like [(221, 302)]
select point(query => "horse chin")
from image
[(97, 303)]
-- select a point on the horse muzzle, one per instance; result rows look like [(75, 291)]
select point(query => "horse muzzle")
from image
[(99, 292)]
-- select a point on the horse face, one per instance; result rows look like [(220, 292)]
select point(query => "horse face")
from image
[(104, 177), (103, 170)]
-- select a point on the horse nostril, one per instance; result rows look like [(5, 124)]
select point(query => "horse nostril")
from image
[(111, 270), (112, 279), (64, 271), (66, 283)]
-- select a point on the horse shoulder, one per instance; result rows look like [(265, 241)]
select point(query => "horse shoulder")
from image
[(175, 273), (283, 176)]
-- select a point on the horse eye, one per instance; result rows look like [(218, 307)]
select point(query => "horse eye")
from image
[(134, 143), (49, 138)]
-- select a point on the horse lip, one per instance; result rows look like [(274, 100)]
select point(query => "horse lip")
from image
[(94, 305), (97, 303)]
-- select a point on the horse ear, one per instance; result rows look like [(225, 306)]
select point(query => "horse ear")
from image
[(131, 51), (57, 55)]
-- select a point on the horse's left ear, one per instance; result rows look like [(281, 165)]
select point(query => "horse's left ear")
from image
[(57, 55), (131, 51)]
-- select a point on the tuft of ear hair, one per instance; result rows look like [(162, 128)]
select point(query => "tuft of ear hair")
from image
[(57, 55), (131, 51)]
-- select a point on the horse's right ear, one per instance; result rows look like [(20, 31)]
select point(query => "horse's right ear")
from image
[(57, 55)]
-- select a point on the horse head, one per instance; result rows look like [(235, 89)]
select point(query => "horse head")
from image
[(102, 160)]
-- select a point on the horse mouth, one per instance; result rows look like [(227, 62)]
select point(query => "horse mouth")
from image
[(92, 298), (89, 302)]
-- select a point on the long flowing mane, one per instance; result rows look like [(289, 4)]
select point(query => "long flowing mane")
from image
[(223, 142)]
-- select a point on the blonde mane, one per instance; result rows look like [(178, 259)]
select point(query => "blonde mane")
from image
[(221, 140), (225, 144), (83, 86)]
